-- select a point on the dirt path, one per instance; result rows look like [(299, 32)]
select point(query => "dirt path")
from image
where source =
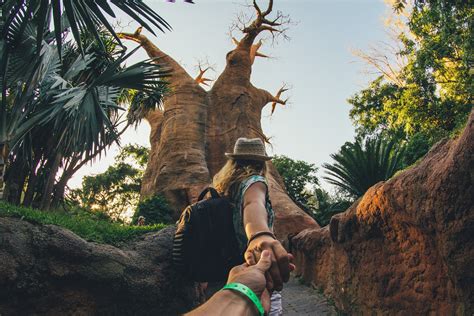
[(299, 299)]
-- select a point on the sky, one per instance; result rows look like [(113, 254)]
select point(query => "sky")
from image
[(317, 63)]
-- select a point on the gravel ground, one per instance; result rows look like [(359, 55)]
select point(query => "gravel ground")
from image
[(299, 299)]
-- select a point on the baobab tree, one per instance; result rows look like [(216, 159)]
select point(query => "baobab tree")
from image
[(195, 127)]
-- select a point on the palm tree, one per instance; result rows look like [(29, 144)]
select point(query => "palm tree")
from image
[(80, 16), (359, 166), (62, 98)]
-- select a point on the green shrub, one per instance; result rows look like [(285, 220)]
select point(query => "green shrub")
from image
[(298, 176), (327, 205), (155, 209), (86, 224)]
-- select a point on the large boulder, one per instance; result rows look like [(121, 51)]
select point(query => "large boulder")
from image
[(407, 246), (48, 270)]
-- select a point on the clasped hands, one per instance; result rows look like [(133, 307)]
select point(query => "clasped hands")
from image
[(258, 277), (274, 269), (281, 261)]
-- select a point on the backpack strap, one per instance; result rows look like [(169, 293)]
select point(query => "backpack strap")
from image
[(214, 193)]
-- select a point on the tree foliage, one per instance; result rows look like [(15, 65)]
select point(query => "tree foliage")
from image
[(117, 190), (359, 165), (297, 175), (63, 96), (432, 95), (303, 187)]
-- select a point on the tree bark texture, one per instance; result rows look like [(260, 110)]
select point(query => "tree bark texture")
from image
[(196, 127)]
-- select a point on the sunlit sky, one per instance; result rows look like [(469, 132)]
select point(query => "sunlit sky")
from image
[(317, 63)]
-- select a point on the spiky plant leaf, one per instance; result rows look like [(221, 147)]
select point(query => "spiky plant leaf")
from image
[(358, 165)]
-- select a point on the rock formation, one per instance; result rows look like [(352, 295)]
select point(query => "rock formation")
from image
[(47, 270), (196, 127), (407, 246)]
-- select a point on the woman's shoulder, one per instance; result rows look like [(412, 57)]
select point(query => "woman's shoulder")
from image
[(247, 182), (254, 178), (245, 185)]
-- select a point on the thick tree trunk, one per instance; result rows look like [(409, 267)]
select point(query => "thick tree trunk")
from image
[(190, 136)]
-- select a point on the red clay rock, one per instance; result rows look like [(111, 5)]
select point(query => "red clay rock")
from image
[(407, 246)]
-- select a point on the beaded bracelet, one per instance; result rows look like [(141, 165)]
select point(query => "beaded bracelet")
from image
[(239, 287)]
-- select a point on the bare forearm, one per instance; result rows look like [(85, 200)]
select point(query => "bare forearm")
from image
[(255, 218), (225, 303)]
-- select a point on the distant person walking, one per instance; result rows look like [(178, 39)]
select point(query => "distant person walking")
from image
[(243, 180)]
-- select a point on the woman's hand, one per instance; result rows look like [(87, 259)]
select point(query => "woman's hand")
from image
[(281, 265)]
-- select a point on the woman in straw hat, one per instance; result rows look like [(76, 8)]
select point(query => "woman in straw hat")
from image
[(243, 180)]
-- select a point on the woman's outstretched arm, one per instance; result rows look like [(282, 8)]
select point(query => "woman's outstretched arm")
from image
[(255, 221)]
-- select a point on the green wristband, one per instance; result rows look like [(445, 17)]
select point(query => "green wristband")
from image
[(239, 287)]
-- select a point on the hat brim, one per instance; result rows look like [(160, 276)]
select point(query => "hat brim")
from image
[(248, 157)]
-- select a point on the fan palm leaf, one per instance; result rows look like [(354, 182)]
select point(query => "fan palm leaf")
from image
[(80, 15), (358, 165)]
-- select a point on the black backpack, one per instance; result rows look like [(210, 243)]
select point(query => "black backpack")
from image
[(205, 247)]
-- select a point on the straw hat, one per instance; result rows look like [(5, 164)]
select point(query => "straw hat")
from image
[(249, 149)]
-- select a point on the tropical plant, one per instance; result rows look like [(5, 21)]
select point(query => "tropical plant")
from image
[(80, 16), (299, 177), (360, 165), (62, 96)]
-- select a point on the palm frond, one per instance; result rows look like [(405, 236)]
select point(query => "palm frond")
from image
[(357, 168), (80, 15)]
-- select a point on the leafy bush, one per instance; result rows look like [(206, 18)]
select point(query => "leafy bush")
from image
[(416, 148), (296, 174), (327, 205), (155, 209), (88, 225)]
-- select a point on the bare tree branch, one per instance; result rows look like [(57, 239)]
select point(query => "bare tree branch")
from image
[(255, 53), (252, 26), (178, 74), (275, 99), (200, 79)]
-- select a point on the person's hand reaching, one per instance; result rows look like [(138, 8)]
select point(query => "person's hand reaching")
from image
[(234, 303), (254, 277), (281, 261)]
